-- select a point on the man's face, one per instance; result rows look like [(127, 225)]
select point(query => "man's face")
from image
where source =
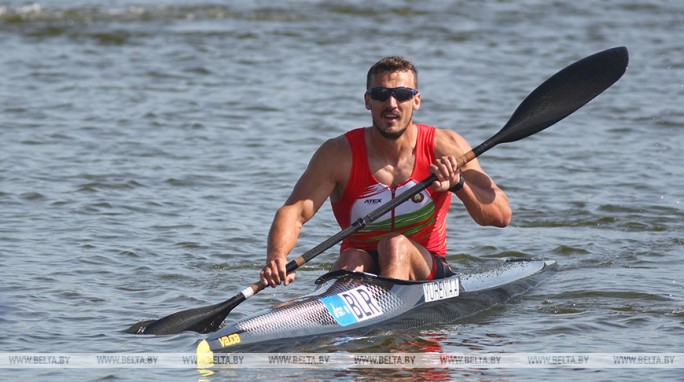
[(392, 117)]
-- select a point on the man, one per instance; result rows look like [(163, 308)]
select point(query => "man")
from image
[(366, 167)]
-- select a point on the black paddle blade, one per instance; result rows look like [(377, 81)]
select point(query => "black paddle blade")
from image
[(201, 320), (564, 93)]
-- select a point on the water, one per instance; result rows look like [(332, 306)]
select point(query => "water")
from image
[(146, 145)]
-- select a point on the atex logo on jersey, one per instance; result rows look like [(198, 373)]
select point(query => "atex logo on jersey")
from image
[(440, 289), (352, 306), (372, 201)]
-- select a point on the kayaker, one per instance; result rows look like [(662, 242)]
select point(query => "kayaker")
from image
[(366, 167)]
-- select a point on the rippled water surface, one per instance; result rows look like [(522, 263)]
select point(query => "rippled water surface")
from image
[(145, 145)]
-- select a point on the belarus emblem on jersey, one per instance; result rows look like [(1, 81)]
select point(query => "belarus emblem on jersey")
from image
[(418, 198)]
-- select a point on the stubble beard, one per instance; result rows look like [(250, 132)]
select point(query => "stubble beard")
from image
[(391, 135)]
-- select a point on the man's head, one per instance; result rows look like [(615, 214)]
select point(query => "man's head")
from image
[(391, 95)]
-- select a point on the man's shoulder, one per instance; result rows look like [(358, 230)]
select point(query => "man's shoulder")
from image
[(448, 142), (437, 130), (333, 159), (446, 134), (336, 147)]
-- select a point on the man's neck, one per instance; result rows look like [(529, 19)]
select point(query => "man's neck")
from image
[(393, 151)]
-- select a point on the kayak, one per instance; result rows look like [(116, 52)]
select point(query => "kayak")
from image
[(345, 302)]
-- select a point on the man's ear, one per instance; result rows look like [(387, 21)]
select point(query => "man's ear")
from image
[(416, 102)]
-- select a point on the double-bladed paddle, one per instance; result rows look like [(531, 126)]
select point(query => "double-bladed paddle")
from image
[(553, 100)]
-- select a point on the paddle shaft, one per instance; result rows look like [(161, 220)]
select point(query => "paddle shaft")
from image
[(371, 217)]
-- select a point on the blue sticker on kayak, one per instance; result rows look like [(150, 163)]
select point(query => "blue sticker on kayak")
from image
[(352, 306)]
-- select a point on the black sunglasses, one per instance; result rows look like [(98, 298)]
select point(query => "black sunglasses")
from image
[(401, 93)]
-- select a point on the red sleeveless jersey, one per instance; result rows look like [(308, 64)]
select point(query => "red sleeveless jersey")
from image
[(421, 218)]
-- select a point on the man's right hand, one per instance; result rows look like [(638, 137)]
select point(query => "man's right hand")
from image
[(274, 273)]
